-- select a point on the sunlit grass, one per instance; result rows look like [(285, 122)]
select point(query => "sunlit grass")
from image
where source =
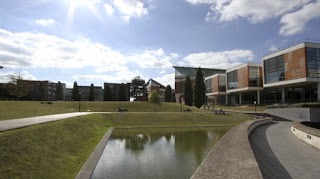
[(20, 109), (59, 149)]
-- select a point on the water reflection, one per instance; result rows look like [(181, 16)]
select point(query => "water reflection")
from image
[(156, 153)]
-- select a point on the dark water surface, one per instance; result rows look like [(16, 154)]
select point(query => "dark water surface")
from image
[(156, 152)]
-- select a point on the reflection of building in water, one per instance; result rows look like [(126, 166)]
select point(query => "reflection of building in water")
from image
[(195, 143)]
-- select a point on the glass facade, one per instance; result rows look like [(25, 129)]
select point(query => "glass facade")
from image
[(313, 62), (183, 72), (232, 80), (274, 69), (254, 76), (208, 83), (222, 83)]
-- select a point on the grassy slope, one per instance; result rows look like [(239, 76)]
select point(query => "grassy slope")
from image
[(242, 108), (20, 109), (173, 119), (52, 150), (59, 149)]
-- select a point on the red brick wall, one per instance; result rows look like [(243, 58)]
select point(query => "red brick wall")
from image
[(179, 86), (295, 64), (243, 77)]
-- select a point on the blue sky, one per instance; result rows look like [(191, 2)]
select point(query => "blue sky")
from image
[(96, 41)]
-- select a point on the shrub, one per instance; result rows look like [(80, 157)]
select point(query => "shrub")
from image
[(154, 97)]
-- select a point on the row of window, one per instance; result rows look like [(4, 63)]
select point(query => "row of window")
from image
[(313, 62), (274, 69)]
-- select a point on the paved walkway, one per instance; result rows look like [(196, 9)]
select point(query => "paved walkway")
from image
[(24, 122), (281, 155)]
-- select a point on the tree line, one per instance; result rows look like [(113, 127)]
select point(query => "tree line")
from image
[(195, 96)]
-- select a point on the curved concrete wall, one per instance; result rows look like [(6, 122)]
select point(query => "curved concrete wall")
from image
[(296, 114), (232, 156), (307, 134)]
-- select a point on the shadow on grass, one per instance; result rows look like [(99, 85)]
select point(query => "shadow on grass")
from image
[(269, 164)]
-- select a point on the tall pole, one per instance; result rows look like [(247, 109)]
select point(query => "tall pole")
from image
[(79, 100), (180, 104)]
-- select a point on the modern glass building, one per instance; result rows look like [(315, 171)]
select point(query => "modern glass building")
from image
[(244, 84), (293, 74), (182, 72), (216, 88)]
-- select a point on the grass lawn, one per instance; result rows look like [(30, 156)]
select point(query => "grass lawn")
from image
[(51, 150), (242, 108), (20, 109), (59, 149)]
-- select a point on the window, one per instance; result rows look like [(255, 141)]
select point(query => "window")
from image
[(208, 85), (274, 69), (313, 62), (232, 79), (222, 83), (254, 76)]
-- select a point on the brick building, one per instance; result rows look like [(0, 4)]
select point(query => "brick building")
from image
[(49, 89), (216, 88), (244, 84), (159, 88), (115, 90), (293, 74), (85, 93), (182, 72)]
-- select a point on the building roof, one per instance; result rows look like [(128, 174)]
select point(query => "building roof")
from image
[(182, 72), (248, 64), (292, 48), (152, 80)]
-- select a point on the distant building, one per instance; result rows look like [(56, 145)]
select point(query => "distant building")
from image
[(68, 94), (216, 89), (85, 93), (159, 88), (182, 72), (115, 90), (49, 89)]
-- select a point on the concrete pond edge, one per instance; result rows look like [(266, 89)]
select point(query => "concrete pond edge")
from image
[(88, 168), (232, 155), (307, 134)]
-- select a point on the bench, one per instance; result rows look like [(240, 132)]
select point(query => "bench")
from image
[(187, 110), (219, 112), (120, 109)]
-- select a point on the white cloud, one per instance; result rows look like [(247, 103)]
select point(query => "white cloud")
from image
[(200, 1), (130, 8), (293, 18), (273, 48), (45, 22), (38, 50), (108, 8), (166, 80), (254, 11), (223, 59), (154, 59), (118, 77), (295, 22), (4, 76)]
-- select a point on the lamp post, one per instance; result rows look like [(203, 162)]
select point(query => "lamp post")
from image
[(181, 104), (1, 67), (79, 100)]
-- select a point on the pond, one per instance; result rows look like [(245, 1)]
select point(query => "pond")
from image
[(156, 152)]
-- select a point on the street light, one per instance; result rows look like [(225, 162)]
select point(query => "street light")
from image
[(1, 67), (79, 100)]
